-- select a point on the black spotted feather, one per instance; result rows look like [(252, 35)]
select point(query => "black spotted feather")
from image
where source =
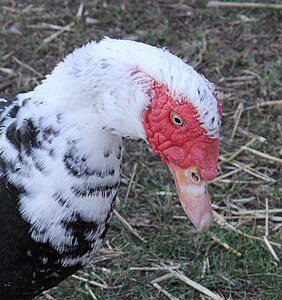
[(30, 265)]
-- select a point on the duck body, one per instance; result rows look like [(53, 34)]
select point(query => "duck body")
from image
[(61, 155), (56, 200)]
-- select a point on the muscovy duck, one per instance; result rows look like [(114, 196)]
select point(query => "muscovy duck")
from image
[(61, 154)]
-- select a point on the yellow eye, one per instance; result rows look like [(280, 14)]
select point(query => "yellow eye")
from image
[(176, 119)]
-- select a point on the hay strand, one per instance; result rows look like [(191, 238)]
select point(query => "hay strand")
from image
[(269, 103), (226, 246), (239, 112), (165, 292), (26, 66), (54, 35), (222, 222), (128, 226), (270, 248), (92, 282), (243, 5), (263, 155), (87, 287), (189, 282)]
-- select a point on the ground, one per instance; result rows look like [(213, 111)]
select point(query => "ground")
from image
[(239, 49)]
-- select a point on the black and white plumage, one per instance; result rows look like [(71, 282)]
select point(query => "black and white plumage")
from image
[(42, 242), (61, 152)]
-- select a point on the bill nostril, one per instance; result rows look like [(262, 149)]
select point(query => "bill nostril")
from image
[(194, 177)]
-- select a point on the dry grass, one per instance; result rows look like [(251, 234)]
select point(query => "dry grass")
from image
[(154, 252)]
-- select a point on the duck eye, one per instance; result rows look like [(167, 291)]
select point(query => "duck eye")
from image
[(176, 119)]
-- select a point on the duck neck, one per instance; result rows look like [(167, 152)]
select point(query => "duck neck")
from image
[(97, 90)]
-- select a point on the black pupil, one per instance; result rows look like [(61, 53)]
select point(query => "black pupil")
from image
[(177, 120)]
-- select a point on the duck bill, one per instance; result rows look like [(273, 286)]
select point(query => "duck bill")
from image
[(194, 196)]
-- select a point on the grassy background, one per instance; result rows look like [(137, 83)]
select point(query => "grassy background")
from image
[(239, 49)]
